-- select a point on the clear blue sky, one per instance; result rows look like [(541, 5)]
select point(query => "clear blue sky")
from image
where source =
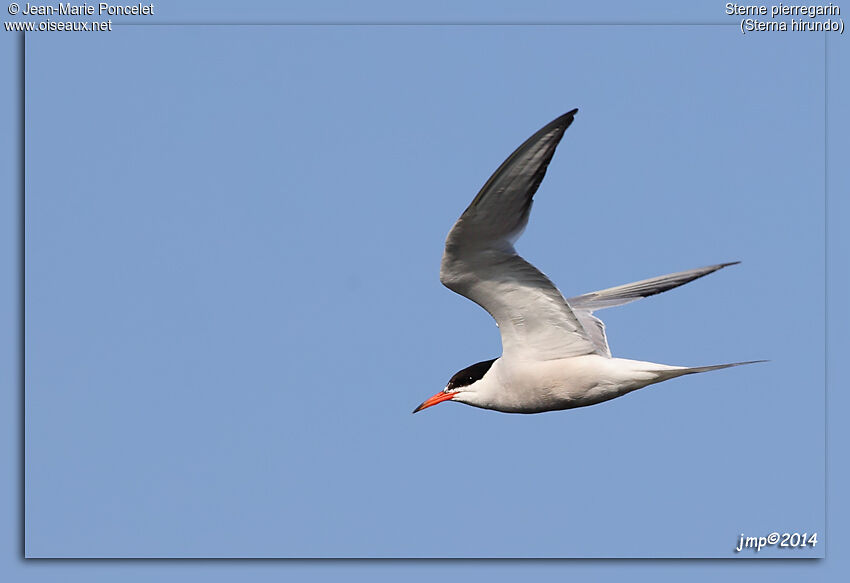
[(233, 238)]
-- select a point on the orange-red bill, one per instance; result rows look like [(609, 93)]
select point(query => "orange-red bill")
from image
[(438, 398)]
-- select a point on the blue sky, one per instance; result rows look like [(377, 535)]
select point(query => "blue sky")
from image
[(232, 243)]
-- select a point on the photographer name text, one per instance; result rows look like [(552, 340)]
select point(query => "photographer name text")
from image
[(86, 9)]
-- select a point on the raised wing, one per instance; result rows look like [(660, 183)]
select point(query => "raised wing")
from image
[(481, 264), (584, 305)]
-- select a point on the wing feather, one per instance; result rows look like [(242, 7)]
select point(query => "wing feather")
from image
[(584, 305), (480, 262), (624, 294)]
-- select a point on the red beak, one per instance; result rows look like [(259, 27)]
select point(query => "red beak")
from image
[(438, 398)]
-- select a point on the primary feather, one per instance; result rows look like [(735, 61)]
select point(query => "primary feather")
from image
[(480, 261)]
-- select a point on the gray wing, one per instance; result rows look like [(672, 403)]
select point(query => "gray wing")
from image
[(584, 305), (481, 263)]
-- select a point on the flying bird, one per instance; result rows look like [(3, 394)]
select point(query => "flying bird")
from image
[(555, 353)]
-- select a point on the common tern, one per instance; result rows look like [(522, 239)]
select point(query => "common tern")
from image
[(555, 353)]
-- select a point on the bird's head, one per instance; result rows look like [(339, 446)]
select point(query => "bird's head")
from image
[(461, 387)]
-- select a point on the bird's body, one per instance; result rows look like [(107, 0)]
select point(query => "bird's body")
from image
[(535, 386), (555, 353)]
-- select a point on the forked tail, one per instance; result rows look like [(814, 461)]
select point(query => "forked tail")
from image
[(672, 373)]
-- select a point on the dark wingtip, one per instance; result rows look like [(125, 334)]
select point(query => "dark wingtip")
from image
[(568, 117), (562, 122), (719, 266)]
